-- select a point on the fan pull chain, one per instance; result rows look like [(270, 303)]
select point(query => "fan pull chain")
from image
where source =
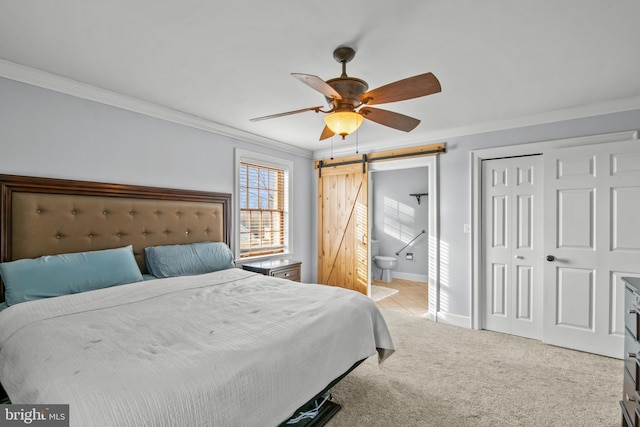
[(331, 147), (357, 133)]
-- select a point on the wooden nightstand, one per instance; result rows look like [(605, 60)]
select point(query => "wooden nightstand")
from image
[(283, 268), (629, 404)]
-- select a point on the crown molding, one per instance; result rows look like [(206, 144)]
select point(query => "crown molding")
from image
[(421, 138), (35, 77), (46, 80)]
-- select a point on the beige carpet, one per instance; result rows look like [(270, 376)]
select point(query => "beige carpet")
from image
[(447, 376)]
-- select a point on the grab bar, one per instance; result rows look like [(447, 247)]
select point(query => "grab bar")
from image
[(405, 246)]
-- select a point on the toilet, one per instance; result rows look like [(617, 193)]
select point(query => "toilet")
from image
[(385, 263)]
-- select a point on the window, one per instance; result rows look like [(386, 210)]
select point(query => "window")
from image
[(263, 205)]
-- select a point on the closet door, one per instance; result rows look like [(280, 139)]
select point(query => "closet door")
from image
[(512, 243), (592, 239), (343, 255)]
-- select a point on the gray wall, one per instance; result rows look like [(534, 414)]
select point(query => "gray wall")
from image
[(454, 190), (398, 218), (49, 134), (45, 133)]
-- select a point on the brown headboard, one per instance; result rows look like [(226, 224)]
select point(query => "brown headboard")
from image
[(44, 216)]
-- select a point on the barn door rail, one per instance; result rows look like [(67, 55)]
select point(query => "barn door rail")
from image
[(363, 160), (425, 150)]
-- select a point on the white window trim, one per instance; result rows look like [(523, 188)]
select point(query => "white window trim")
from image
[(269, 161)]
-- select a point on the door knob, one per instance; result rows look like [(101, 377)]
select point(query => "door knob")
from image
[(551, 258), (519, 257)]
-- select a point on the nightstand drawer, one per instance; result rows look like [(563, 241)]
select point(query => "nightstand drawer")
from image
[(289, 273), (632, 317), (282, 268), (631, 353), (630, 398)]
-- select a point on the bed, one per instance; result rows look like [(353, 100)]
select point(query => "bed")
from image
[(218, 348)]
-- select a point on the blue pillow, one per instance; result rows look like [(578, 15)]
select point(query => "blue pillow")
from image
[(55, 275), (188, 260)]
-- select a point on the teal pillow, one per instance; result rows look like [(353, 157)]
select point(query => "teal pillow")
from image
[(188, 260), (55, 275)]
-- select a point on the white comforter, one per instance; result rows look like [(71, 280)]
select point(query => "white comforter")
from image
[(230, 348)]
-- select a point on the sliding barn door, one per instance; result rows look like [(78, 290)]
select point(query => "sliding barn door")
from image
[(343, 256)]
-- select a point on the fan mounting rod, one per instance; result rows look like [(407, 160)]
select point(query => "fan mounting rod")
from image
[(344, 54), (350, 88)]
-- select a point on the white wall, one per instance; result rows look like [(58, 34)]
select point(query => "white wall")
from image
[(49, 134)]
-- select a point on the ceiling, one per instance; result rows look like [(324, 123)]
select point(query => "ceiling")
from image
[(499, 62)]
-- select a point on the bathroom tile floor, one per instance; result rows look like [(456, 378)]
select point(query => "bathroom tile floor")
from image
[(412, 297)]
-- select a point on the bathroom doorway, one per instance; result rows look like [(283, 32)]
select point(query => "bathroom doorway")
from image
[(403, 232)]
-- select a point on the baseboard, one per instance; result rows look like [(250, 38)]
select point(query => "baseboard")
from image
[(410, 276), (453, 319)]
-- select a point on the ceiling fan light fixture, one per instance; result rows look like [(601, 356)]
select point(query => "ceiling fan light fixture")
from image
[(343, 123), (345, 94)]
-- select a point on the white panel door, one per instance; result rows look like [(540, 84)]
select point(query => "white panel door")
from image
[(592, 239), (512, 242)]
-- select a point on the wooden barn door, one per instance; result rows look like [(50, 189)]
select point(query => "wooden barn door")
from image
[(343, 254)]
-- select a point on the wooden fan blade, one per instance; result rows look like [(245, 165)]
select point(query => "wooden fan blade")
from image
[(326, 133), (411, 87), (389, 118), (288, 113), (318, 84)]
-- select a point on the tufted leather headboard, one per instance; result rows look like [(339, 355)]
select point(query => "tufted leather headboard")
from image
[(43, 216)]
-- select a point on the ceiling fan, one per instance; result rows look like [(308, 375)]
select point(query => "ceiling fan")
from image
[(349, 99)]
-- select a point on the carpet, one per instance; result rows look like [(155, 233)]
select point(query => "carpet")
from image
[(442, 375), (380, 292)]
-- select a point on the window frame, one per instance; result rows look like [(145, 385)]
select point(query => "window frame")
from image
[(259, 159)]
